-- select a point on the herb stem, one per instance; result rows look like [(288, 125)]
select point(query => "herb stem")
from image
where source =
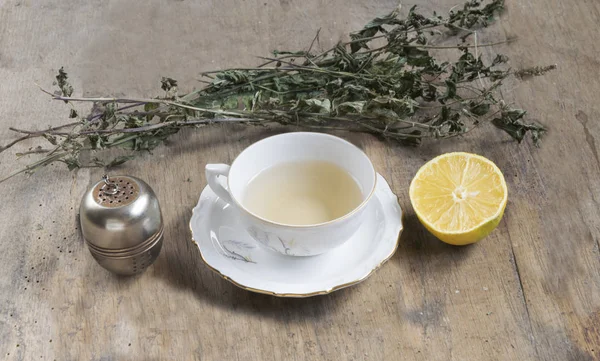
[(33, 166), (441, 46), (18, 140), (156, 100)]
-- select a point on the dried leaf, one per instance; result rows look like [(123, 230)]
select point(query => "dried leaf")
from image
[(479, 109), (313, 106), (511, 121), (351, 107), (167, 84), (61, 80)]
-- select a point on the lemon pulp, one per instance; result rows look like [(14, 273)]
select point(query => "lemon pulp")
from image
[(459, 197)]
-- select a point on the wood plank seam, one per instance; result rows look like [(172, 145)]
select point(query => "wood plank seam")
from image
[(524, 297)]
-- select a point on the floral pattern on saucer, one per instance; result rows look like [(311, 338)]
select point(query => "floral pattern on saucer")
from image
[(276, 243)]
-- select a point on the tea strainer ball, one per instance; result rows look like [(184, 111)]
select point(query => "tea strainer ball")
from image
[(122, 224)]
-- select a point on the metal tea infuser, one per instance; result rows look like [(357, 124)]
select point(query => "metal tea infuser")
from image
[(122, 224)]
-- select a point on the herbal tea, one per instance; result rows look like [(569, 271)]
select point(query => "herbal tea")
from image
[(302, 193)]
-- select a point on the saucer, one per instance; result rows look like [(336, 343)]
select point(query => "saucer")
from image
[(227, 248)]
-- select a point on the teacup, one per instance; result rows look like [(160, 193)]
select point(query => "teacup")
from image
[(290, 239)]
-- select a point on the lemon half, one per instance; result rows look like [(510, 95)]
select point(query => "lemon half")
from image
[(459, 197)]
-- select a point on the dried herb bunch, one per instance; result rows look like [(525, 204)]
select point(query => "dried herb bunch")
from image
[(383, 81)]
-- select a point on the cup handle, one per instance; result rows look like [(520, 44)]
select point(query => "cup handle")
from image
[(213, 171)]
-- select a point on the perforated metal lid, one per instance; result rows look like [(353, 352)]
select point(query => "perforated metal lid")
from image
[(119, 213), (116, 191)]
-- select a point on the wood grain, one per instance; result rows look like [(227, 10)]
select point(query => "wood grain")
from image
[(531, 291)]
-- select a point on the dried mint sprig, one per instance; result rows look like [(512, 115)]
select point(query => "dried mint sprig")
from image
[(384, 81)]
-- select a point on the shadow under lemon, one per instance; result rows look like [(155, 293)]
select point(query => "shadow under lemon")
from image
[(416, 242)]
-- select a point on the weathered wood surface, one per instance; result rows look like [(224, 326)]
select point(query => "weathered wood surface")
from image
[(531, 291)]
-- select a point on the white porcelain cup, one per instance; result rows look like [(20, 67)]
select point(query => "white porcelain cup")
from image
[(295, 240)]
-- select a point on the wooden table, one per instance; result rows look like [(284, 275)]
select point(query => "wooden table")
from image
[(530, 291)]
